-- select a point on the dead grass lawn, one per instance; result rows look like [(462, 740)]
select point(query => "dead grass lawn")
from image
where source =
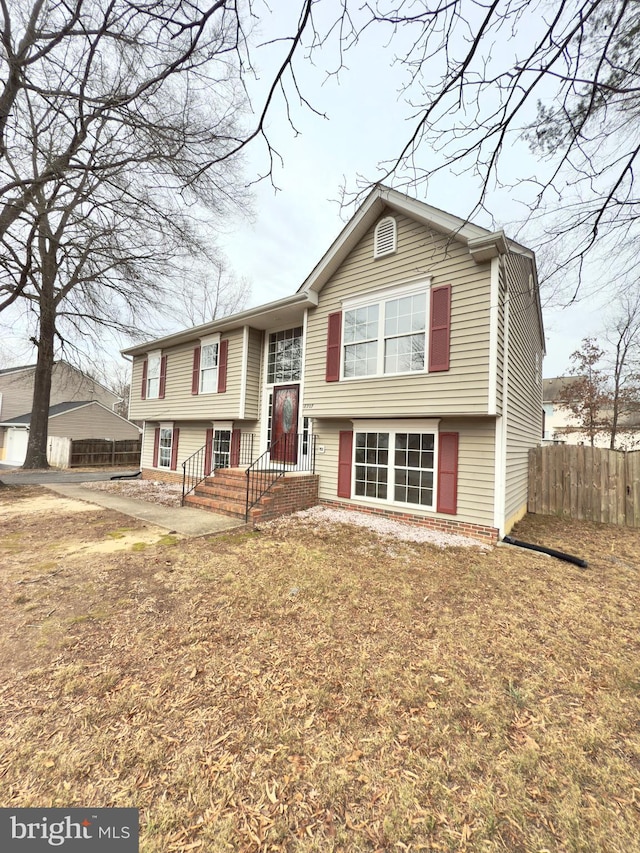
[(304, 689)]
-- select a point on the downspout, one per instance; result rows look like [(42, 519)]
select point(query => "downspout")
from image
[(501, 423), (243, 374)]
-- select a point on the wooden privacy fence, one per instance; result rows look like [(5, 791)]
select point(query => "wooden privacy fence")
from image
[(587, 483), (90, 452)]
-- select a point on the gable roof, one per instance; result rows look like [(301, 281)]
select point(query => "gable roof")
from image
[(482, 245), (27, 367), (61, 409), (383, 198), (554, 389), (58, 409)]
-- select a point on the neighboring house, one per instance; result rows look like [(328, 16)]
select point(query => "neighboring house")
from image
[(68, 385), (560, 425), (411, 356), (82, 419)]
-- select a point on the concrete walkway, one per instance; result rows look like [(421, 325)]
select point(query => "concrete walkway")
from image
[(185, 520)]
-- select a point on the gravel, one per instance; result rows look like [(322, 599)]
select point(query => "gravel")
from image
[(325, 517)]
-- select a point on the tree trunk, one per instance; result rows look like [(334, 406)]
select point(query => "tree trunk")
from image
[(39, 429)]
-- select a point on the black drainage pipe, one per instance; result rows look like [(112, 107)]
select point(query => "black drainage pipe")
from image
[(559, 554)]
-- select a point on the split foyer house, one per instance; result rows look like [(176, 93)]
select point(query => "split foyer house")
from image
[(405, 373)]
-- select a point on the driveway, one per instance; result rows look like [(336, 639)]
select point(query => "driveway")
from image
[(17, 477)]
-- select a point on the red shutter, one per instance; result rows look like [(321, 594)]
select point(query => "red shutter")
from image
[(163, 376), (448, 472), (156, 447), (174, 448), (223, 355), (334, 335), (195, 377), (208, 452), (235, 448), (143, 393), (439, 339), (345, 452)]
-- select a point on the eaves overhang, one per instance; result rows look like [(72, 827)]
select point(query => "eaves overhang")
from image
[(380, 200), (270, 315)]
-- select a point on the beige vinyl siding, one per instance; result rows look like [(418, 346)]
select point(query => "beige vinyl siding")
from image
[(524, 394), (476, 458), (92, 421), (178, 400), (254, 372), (421, 253), (191, 438), (68, 385)]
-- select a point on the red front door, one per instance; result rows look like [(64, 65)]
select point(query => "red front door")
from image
[(284, 425)]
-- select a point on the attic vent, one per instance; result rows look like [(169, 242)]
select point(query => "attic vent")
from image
[(384, 238)]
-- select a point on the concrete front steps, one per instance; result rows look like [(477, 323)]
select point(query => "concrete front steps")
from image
[(226, 493)]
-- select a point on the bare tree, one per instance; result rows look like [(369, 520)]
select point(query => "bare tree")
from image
[(208, 292), (623, 339), (114, 110)]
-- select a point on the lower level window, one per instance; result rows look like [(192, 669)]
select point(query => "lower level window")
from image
[(164, 449), (221, 448), (395, 466)]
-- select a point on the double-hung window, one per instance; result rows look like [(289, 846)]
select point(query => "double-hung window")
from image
[(386, 336), (208, 383), (165, 446), (154, 360), (396, 465)]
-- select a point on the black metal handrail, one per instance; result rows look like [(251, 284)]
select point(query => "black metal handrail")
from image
[(194, 469), (292, 453)]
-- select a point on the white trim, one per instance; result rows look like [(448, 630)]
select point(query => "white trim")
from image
[(243, 374), (400, 425), (303, 365), (494, 319), (392, 428), (380, 298), (166, 425), (500, 461), (209, 341), (396, 291)]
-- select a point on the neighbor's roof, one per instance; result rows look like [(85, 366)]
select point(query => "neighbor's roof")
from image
[(555, 389), (58, 409)]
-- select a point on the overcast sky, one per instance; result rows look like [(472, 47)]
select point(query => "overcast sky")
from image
[(363, 121), (366, 123)]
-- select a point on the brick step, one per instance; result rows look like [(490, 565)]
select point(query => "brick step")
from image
[(231, 491), (232, 508)]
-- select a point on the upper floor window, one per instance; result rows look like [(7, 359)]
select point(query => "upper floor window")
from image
[(391, 332), (387, 336), (209, 367), (154, 360), (284, 360)]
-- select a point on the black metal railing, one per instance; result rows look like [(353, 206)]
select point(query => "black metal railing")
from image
[(288, 453), (215, 454)]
